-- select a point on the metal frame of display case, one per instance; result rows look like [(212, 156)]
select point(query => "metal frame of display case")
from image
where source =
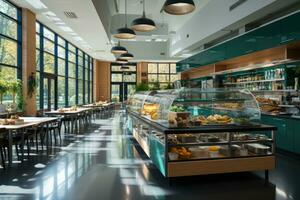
[(204, 166)]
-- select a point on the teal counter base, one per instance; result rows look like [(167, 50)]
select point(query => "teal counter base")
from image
[(288, 132)]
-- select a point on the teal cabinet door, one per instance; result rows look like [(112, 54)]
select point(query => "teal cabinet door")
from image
[(296, 136), (290, 28), (289, 144), (281, 133), (268, 36), (242, 45), (284, 133)]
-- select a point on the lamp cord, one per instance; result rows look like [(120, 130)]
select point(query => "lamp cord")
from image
[(144, 14), (126, 13)]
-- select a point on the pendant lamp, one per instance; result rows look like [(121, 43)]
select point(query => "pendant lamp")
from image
[(121, 61), (143, 24), (118, 49), (126, 56), (124, 67), (125, 32), (179, 7)]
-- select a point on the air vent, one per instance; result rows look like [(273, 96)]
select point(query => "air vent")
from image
[(70, 15)]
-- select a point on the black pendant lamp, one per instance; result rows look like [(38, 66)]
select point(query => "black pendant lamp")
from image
[(143, 24), (179, 7), (126, 56), (121, 61), (118, 49), (124, 67), (125, 32)]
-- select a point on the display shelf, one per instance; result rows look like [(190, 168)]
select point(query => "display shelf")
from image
[(207, 100), (260, 81), (274, 91), (220, 143), (220, 157)]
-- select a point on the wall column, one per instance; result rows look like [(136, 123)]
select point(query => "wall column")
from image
[(102, 80), (28, 58)]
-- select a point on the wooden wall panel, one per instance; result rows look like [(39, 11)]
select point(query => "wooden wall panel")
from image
[(28, 57), (102, 80), (198, 72)]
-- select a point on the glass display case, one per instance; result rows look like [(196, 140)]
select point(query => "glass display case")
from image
[(185, 132), (190, 107)]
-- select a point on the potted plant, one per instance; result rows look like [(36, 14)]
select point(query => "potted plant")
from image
[(31, 85), (142, 87), (3, 90), (14, 88)]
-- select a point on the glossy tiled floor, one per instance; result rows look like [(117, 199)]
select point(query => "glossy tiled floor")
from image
[(105, 163)]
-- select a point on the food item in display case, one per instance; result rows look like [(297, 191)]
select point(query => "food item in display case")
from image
[(182, 152), (199, 152), (172, 140), (258, 148), (241, 121), (219, 119), (269, 105), (230, 105), (199, 120), (173, 155), (241, 137), (214, 151), (178, 116), (152, 110), (186, 138), (177, 109)]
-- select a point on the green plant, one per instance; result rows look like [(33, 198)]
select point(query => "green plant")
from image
[(142, 87), (156, 86), (169, 86), (31, 85), (3, 89), (13, 89), (20, 98)]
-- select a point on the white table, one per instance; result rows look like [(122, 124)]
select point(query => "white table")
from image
[(28, 122)]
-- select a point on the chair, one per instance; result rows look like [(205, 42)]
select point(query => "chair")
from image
[(55, 127), (2, 150)]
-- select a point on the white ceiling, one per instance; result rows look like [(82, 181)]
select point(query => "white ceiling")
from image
[(86, 32), (91, 31)]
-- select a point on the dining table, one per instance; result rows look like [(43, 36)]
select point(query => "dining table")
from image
[(28, 122), (72, 113)]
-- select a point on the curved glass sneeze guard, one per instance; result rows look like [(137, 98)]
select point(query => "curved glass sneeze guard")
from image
[(206, 106)]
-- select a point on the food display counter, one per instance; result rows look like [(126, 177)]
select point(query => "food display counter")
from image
[(190, 132)]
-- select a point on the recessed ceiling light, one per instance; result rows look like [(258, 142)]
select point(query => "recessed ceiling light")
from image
[(77, 38), (37, 4), (66, 28)]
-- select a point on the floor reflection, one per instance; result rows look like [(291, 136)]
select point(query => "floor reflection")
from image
[(105, 163)]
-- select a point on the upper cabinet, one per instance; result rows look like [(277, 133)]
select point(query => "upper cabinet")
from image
[(271, 35), (290, 28), (268, 36)]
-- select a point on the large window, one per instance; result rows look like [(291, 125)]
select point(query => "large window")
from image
[(10, 44), (69, 65), (123, 81), (161, 74)]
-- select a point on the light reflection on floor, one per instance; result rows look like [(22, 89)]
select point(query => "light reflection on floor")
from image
[(105, 163)]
